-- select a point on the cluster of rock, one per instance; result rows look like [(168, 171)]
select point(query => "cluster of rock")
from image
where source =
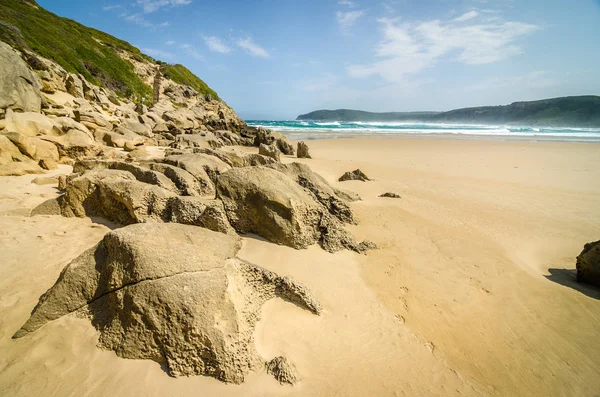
[(193, 309), (356, 175), (224, 190), (38, 132)]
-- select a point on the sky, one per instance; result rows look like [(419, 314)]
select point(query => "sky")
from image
[(276, 59)]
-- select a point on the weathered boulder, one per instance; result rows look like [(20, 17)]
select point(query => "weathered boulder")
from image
[(138, 128), (303, 152), (13, 162), (28, 123), (269, 151), (75, 144), (237, 158), (91, 119), (19, 86), (268, 203), (186, 183), (199, 164), (390, 195), (193, 308), (122, 137), (356, 175), (588, 264), (270, 137), (36, 149), (318, 187)]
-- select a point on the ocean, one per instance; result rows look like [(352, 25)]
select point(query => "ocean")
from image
[(306, 130)]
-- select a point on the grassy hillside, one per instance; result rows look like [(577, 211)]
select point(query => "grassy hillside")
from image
[(181, 75), (575, 111), (79, 49)]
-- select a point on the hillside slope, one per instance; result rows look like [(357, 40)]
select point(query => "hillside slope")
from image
[(95, 55), (575, 111)]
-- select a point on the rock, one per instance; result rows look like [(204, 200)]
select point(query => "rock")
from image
[(282, 370), (193, 308), (46, 180), (303, 151), (198, 162), (237, 158), (141, 109), (268, 203), (390, 195), (356, 175), (318, 187), (13, 162), (140, 173), (284, 146), (35, 148), (75, 144), (62, 182), (29, 123), (138, 128), (196, 211), (269, 151), (48, 207), (74, 86), (186, 183), (91, 119), (588, 264), (19, 86)]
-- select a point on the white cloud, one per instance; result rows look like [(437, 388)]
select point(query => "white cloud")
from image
[(248, 45), (466, 17), (157, 53), (216, 45), (112, 7), (140, 20), (346, 3), (154, 5), (409, 48), (348, 18), (170, 42)]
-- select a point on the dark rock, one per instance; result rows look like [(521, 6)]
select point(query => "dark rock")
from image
[(356, 175), (588, 264)]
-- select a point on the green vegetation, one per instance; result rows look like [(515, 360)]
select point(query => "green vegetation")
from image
[(575, 111), (181, 75), (82, 50)]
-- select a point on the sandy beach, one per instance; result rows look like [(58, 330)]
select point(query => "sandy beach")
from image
[(472, 291)]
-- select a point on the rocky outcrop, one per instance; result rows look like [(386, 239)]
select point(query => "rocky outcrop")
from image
[(318, 187), (303, 152), (268, 203), (356, 175), (283, 371), (588, 264), (19, 86), (192, 309)]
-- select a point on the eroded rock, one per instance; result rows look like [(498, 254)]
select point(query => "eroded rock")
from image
[(192, 309), (356, 175), (588, 264), (303, 152)]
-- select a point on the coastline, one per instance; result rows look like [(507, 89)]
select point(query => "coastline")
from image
[(470, 293)]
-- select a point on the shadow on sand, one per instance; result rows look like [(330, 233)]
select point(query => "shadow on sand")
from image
[(568, 278)]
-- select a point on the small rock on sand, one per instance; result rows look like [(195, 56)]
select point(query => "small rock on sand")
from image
[(391, 195), (356, 175)]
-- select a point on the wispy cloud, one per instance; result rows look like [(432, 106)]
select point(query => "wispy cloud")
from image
[(154, 5), (346, 3), (346, 19), (139, 19), (157, 53), (216, 45), (248, 45), (170, 42), (112, 7), (466, 17), (191, 51), (408, 48)]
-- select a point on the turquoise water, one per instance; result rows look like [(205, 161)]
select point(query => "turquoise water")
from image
[(324, 130)]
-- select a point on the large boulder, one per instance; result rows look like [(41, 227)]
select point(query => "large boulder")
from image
[(199, 164), (588, 264), (91, 119), (173, 294), (74, 86), (13, 162), (19, 86), (316, 185), (28, 123), (303, 152), (268, 203), (75, 144), (269, 151), (45, 153)]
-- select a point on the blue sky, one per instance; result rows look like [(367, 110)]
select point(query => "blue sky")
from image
[(276, 59)]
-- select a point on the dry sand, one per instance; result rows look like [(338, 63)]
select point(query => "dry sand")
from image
[(471, 293)]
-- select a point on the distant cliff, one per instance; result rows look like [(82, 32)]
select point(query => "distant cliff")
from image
[(575, 111)]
